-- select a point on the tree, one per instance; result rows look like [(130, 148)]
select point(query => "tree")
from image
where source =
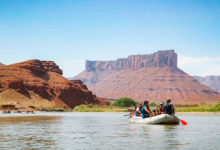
[(125, 102)]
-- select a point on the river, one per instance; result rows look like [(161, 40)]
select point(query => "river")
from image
[(71, 130)]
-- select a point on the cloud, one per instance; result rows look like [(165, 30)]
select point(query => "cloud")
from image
[(72, 67), (201, 66)]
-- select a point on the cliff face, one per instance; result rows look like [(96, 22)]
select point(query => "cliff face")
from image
[(153, 77), (135, 62), (211, 81), (40, 84)]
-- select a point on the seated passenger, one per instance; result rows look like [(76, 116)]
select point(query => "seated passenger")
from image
[(160, 108), (154, 112), (137, 110), (168, 107), (146, 112)]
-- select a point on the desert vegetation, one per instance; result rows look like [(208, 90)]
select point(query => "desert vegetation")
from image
[(125, 102), (99, 108), (200, 108)]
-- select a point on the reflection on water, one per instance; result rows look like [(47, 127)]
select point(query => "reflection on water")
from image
[(105, 131), (28, 132)]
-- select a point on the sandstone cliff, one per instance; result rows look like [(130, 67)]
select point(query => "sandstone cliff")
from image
[(135, 62), (211, 81), (40, 84), (153, 77)]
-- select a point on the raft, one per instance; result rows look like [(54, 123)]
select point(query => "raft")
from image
[(160, 119)]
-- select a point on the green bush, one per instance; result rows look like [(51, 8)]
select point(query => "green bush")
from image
[(51, 109), (98, 108), (153, 104), (125, 102)]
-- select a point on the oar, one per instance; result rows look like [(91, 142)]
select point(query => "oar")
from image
[(130, 114), (184, 123)]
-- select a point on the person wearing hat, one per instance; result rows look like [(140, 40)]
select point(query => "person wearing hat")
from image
[(168, 107)]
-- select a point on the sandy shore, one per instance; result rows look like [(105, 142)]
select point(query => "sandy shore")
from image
[(198, 113)]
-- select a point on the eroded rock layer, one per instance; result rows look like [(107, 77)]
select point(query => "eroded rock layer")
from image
[(135, 62), (41, 84), (153, 77)]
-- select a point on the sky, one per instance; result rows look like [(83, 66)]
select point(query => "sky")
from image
[(70, 32)]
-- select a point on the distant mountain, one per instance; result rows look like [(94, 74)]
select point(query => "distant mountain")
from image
[(211, 81), (41, 84), (154, 77)]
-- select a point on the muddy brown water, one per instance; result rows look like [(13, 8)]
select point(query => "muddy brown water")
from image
[(72, 130)]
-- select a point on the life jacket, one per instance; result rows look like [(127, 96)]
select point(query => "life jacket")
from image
[(169, 109), (161, 109), (140, 107), (144, 112)]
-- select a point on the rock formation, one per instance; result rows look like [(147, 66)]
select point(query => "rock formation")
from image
[(153, 77), (211, 81), (135, 62), (40, 84)]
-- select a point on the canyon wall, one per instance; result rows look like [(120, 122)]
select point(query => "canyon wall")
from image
[(166, 58), (154, 77)]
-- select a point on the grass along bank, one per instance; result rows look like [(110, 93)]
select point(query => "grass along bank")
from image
[(99, 108), (200, 108), (112, 108)]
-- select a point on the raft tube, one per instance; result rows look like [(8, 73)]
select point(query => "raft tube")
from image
[(160, 119)]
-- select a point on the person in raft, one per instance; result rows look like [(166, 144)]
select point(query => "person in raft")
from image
[(137, 110), (160, 108), (145, 110), (168, 107)]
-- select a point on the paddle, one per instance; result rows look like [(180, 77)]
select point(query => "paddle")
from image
[(184, 123), (132, 114)]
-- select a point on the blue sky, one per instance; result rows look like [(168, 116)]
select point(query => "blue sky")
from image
[(72, 31)]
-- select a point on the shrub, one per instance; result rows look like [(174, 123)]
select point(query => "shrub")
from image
[(152, 104), (125, 102), (51, 109)]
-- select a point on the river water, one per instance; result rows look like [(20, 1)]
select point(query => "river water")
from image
[(105, 131)]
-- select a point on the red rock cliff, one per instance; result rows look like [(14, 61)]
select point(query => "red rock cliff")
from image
[(152, 77), (41, 84)]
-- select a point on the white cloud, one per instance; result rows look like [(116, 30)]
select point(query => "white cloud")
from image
[(72, 67), (201, 66)]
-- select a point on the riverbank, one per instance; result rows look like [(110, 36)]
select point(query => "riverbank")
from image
[(110, 108), (99, 108), (198, 113), (199, 109)]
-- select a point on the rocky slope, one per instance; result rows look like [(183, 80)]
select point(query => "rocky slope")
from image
[(153, 77), (211, 81), (40, 84)]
